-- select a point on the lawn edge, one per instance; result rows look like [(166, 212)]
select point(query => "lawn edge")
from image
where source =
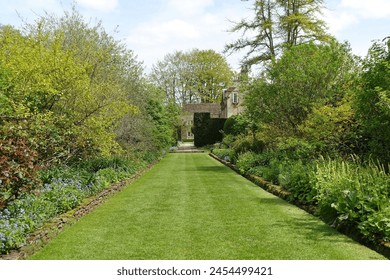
[(39, 238), (383, 248)]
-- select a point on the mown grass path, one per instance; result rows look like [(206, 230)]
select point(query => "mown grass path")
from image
[(190, 206)]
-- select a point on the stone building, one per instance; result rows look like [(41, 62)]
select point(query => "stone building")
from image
[(231, 104), (187, 116)]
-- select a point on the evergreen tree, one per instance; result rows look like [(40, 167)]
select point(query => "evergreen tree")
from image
[(278, 25)]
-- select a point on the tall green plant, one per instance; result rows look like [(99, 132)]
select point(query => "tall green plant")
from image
[(305, 77), (350, 193), (373, 100)]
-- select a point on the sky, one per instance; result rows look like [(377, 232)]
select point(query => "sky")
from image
[(155, 28)]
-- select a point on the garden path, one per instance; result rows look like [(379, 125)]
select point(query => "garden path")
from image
[(189, 206)]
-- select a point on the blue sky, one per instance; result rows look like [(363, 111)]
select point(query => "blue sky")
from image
[(154, 28)]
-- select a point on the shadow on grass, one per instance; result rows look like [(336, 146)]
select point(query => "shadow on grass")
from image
[(310, 226)]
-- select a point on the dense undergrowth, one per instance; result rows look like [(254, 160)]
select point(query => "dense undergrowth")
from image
[(62, 189)]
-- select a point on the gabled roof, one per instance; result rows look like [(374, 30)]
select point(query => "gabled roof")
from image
[(212, 108)]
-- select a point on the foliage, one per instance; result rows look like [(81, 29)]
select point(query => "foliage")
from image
[(305, 77), (70, 92), (165, 122), (64, 75), (192, 77), (152, 131), (246, 161), (377, 226), (225, 154), (277, 26), (235, 125), (373, 101), (353, 195), (245, 143), (334, 128), (297, 178), (206, 130), (75, 86), (265, 165), (17, 169)]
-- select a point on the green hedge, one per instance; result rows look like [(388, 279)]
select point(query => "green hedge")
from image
[(207, 130)]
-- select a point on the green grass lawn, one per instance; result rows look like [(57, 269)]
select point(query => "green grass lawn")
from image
[(190, 206)]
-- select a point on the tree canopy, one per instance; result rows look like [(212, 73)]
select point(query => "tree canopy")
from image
[(278, 25), (67, 86), (197, 76)]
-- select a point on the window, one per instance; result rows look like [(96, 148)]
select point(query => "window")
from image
[(189, 134), (235, 98)]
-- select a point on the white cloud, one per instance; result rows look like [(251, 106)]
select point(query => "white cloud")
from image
[(337, 21), (372, 9), (184, 25), (100, 5), (158, 34), (188, 8), (349, 14)]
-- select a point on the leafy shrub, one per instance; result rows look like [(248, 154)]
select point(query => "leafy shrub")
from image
[(269, 171), (372, 101), (297, 149), (334, 128), (21, 217), (248, 143), (107, 176), (149, 157), (297, 177), (235, 125), (353, 195), (228, 140), (225, 154), (377, 225), (65, 172), (17, 169), (117, 163), (265, 165), (246, 161), (64, 194)]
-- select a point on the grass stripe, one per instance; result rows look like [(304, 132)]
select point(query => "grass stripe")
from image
[(190, 206)]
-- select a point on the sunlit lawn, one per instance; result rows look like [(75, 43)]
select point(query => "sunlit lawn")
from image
[(189, 206)]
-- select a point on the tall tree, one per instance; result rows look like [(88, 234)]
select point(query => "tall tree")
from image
[(305, 77), (211, 74), (373, 100), (192, 77), (73, 76), (174, 76), (278, 25)]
